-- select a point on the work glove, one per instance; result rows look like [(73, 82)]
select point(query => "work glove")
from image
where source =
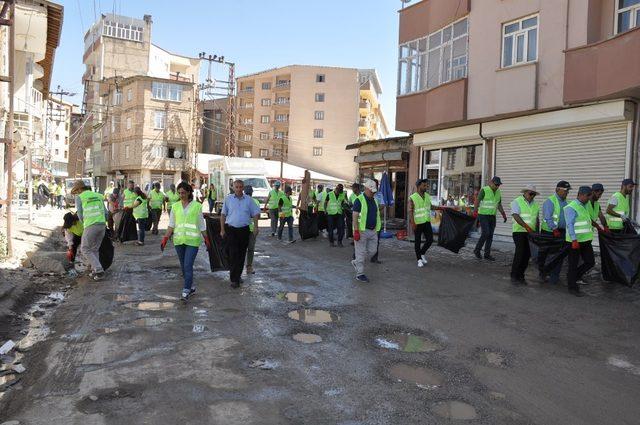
[(606, 229), (163, 244), (207, 242), (70, 255), (504, 217), (556, 233), (529, 229), (475, 214), (356, 235), (624, 217), (575, 245)]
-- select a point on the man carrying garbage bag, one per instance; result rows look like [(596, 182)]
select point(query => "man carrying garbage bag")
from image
[(580, 235)]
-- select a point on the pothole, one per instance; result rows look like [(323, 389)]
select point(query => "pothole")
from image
[(420, 376), (313, 316), (151, 305), (295, 297), (306, 338), (406, 342), (454, 409)]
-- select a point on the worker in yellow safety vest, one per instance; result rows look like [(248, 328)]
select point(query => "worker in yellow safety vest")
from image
[(92, 213), (579, 234), (619, 207), (524, 211)]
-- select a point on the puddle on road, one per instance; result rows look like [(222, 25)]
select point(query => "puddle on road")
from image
[(313, 316), (151, 305), (407, 343), (295, 297), (422, 377), (306, 338), (197, 328), (454, 409), (151, 321)]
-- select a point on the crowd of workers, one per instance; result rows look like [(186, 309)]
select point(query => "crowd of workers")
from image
[(357, 217)]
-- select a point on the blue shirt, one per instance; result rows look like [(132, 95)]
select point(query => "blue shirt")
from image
[(547, 213), (372, 211), (570, 216), (378, 197), (239, 212)]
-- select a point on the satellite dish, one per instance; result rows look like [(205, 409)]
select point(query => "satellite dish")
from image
[(177, 154)]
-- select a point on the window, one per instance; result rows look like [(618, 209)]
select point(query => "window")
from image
[(159, 120), (126, 151), (627, 15), (265, 102), (451, 158), (520, 41), (66, 154), (433, 60), (66, 140), (264, 153), (264, 136), (247, 137), (166, 91), (320, 78), (282, 117), (117, 97), (317, 151), (119, 30), (57, 152), (319, 115), (129, 95), (279, 135), (319, 97), (277, 152), (265, 119), (246, 154), (128, 123), (266, 86), (318, 133), (471, 156), (57, 137), (282, 100)]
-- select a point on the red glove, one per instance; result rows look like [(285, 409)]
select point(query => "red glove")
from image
[(163, 244), (356, 235), (556, 233), (599, 229), (70, 255), (575, 245), (475, 214), (529, 229), (606, 229), (207, 242)]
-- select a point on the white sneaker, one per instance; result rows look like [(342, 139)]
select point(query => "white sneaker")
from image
[(420, 263), (424, 259)]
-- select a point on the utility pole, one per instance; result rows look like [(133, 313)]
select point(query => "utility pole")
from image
[(215, 89), (10, 7)]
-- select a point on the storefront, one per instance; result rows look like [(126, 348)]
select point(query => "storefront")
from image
[(390, 155)]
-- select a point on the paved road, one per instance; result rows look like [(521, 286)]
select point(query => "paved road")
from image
[(126, 351)]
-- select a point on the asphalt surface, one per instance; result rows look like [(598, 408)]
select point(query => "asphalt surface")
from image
[(127, 351)]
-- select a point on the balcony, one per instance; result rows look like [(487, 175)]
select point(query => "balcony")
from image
[(284, 103), (427, 110), (282, 86), (363, 122), (603, 70), (365, 105), (175, 164), (246, 92)]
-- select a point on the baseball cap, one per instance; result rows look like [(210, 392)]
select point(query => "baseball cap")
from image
[(276, 183), (371, 185), (420, 181), (562, 184), (626, 182), (496, 180), (597, 186), (584, 190)]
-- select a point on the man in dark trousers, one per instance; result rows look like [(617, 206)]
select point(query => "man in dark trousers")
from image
[(238, 211), (488, 203), (579, 235), (524, 211), (553, 225)]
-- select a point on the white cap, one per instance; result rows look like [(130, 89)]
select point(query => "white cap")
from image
[(371, 185)]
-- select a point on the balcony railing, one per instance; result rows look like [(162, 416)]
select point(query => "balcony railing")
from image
[(282, 86), (364, 104), (180, 77), (282, 103), (363, 122)]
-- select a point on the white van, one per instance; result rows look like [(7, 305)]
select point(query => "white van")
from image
[(223, 171)]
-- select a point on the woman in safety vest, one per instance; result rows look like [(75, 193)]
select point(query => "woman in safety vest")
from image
[(141, 213), (285, 206), (187, 226), (72, 229)]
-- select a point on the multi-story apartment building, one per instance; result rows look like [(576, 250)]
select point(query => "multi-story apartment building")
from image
[(532, 91), (118, 53), (37, 29), (214, 126), (57, 130), (307, 115), (77, 149)]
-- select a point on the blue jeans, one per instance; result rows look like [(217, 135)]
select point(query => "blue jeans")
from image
[(187, 255), (142, 227), (211, 204), (288, 221), (273, 214)]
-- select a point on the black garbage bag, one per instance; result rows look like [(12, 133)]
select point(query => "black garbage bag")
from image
[(106, 250), (557, 249), (218, 254), (454, 229), (127, 230), (308, 225), (620, 257)]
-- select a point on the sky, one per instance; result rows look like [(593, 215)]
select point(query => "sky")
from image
[(255, 34)]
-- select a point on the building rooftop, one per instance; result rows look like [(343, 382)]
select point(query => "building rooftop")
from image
[(294, 66)]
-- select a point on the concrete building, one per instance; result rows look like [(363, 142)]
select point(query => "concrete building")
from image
[(77, 149), (214, 129), (37, 35), (307, 115), (533, 91), (57, 130), (117, 49)]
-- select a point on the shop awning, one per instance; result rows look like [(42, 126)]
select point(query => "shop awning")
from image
[(382, 156)]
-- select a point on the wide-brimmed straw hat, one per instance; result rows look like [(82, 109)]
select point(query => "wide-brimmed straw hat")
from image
[(530, 188), (78, 186)]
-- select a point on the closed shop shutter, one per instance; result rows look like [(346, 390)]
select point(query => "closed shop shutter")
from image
[(581, 155)]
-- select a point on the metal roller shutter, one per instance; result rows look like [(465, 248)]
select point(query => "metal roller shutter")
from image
[(581, 155)]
